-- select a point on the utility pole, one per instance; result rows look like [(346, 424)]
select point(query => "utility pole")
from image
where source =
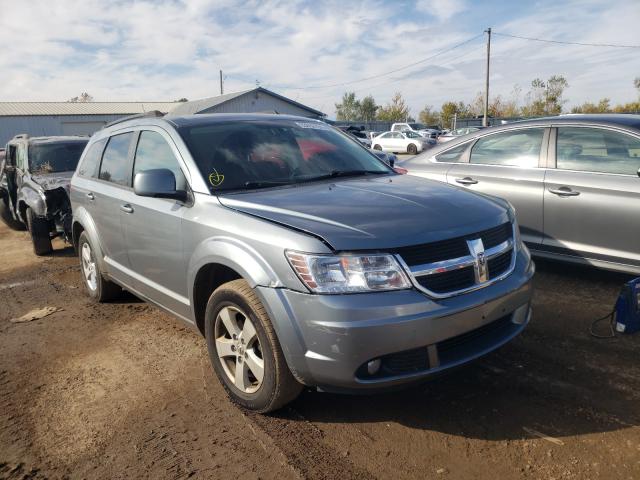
[(455, 120), (221, 84), (485, 121)]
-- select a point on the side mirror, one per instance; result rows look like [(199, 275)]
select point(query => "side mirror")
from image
[(157, 183), (639, 172), (392, 162)]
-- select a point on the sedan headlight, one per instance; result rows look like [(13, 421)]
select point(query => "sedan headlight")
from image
[(348, 273)]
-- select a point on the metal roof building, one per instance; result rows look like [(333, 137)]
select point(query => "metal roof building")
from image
[(68, 118)]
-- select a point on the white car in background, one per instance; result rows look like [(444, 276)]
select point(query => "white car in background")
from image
[(402, 142), (457, 133), (419, 128)]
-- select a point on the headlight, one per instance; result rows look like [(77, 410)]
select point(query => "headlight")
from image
[(348, 273)]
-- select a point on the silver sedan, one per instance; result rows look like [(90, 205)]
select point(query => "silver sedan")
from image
[(573, 181)]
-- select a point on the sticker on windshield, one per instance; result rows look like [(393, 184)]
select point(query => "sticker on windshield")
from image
[(216, 178), (316, 125)]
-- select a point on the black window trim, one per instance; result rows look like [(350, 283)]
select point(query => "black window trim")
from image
[(553, 159)]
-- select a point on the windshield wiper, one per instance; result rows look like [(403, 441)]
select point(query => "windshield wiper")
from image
[(266, 183), (343, 173)]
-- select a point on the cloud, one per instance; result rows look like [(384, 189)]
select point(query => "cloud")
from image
[(168, 49)]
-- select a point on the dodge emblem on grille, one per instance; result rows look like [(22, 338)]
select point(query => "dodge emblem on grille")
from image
[(476, 247)]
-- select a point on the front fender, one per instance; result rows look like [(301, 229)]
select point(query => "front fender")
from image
[(82, 218), (236, 255), (32, 199)]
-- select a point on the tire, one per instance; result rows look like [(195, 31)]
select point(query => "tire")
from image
[(377, 147), (40, 236), (252, 346), (412, 149), (7, 217), (96, 285)]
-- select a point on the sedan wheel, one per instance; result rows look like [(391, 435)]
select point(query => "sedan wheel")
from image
[(412, 149), (377, 147), (238, 347)]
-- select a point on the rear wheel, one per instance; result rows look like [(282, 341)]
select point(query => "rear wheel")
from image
[(99, 288), (244, 350), (377, 147), (412, 149), (39, 230)]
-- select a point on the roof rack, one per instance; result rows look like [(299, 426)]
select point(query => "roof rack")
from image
[(150, 113)]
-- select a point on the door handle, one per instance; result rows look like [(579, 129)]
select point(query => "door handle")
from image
[(466, 181), (564, 192), (91, 196), (126, 208)]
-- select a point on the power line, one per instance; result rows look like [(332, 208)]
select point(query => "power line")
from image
[(342, 84), (370, 88), (567, 43)]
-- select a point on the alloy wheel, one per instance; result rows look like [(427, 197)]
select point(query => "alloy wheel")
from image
[(89, 268), (238, 348)]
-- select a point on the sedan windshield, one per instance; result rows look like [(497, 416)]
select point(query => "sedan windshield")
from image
[(417, 126), (411, 134), (239, 155), (55, 157)]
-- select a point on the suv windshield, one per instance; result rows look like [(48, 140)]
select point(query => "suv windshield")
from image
[(55, 157), (257, 154)]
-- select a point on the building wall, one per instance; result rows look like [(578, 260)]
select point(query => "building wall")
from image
[(38, 125), (248, 103)]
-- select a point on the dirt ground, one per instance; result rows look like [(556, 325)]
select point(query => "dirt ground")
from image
[(122, 390)]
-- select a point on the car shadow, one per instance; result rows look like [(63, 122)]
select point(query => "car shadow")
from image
[(555, 378)]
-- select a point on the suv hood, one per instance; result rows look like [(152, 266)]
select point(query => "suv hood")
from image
[(50, 181), (374, 212)]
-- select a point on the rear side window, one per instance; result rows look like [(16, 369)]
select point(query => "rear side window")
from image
[(597, 150), (115, 163), (154, 152), (518, 148), (91, 162), (453, 155)]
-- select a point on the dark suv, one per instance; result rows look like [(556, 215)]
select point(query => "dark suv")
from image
[(34, 186)]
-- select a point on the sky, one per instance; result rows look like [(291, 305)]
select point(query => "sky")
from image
[(314, 51)]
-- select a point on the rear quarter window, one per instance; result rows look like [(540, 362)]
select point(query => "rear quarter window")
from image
[(115, 160), (453, 155), (91, 161)]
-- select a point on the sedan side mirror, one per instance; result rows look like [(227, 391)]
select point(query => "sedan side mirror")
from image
[(157, 183), (639, 172)]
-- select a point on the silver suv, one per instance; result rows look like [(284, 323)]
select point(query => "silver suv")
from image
[(301, 257)]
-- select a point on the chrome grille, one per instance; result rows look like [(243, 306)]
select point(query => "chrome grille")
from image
[(461, 264), (453, 247)]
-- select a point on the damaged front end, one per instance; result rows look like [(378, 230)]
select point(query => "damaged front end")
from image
[(58, 211)]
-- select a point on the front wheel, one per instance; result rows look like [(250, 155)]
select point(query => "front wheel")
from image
[(99, 288), (412, 149), (244, 350), (40, 236), (377, 147), (7, 217)]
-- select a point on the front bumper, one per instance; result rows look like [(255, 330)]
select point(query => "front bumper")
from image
[(328, 339)]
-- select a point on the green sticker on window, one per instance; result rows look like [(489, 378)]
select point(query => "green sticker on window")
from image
[(216, 178)]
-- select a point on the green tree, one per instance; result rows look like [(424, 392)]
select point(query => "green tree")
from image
[(368, 109), (349, 109), (603, 106), (395, 111), (451, 109), (546, 98), (429, 116)]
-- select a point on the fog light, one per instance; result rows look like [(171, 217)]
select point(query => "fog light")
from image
[(373, 366)]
